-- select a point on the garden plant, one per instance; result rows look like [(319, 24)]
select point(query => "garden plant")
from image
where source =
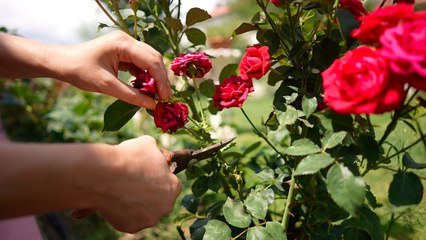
[(339, 67), (348, 103)]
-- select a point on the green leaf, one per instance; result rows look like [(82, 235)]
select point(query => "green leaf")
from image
[(332, 139), (118, 114), (302, 147), (345, 189), (313, 163), (369, 148), (216, 230), (366, 221), (347, 23), (235, 214), (409, 162), (405, 189), (190, 202), (174, 23), (309, 105), (257, 202), (266, 174), (196, 15), (325, 52), (272, 122), (290, 116), (244, 27), (278, 74), (276, 231), (258, 233), (227, 71), (196, 36), (200, 186), (251, 148), (207, 88), (215, 182)]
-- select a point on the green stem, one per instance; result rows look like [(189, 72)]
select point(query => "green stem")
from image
[(273, 26), (288, 203), (197, 93), (123, 23), (135, 25), (107, 14), (392, 221), (260, 134)]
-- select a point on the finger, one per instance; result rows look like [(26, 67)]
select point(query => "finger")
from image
[(152, 61), (129, 67), (129, 94)]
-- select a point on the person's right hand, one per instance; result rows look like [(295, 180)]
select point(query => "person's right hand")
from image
[(140, 189)]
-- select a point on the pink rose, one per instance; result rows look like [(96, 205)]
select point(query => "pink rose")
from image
[(170, 116), (145, 83), (195, 64), (355, 7), (359, 82), (405, 47), (277, 2), (255, 62), (375, 23), (232, 92)]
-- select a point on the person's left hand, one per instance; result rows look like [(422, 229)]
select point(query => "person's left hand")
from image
[(94, 66)]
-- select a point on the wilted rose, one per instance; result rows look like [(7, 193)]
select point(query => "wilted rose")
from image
[(170, 116), (145, 83), (255, 62), (232, 92), (405, 47), (195, 64), (360, 82)]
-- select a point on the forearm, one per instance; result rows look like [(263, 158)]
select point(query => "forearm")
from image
[(25, 58), (38, 178)]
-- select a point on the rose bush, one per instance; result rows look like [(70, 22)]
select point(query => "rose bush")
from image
[(335, 69)]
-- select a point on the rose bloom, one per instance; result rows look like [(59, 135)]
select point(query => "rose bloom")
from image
[(277, 2), (355, 7), (232, 92), (195, 64), (170, 116), (359, 82), (145, 83), (255, 62), (405, 47), (375, 23)]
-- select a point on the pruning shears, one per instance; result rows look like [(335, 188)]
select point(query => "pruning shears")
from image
[(178, 161)]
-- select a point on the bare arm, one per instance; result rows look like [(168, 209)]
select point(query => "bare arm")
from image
[(130, 183), (91, 66)]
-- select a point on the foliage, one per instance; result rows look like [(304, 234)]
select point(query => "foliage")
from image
[(319, 164)]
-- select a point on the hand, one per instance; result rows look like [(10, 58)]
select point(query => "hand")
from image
[(140, 189), (94, 65)]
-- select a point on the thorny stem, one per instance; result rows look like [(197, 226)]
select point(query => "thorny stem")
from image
[(391, 222), (288, 203), (197, 92), (135, 25), (107, 14), (260, 134), (120, 18), (422, 138)]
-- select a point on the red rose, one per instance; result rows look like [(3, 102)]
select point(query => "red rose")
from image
[(232, 92), (405, 47), (354, 6), (375, 23), (170, 117), (145, 83), (277, 2), (195, 64), (359, 82), (255, 62)]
